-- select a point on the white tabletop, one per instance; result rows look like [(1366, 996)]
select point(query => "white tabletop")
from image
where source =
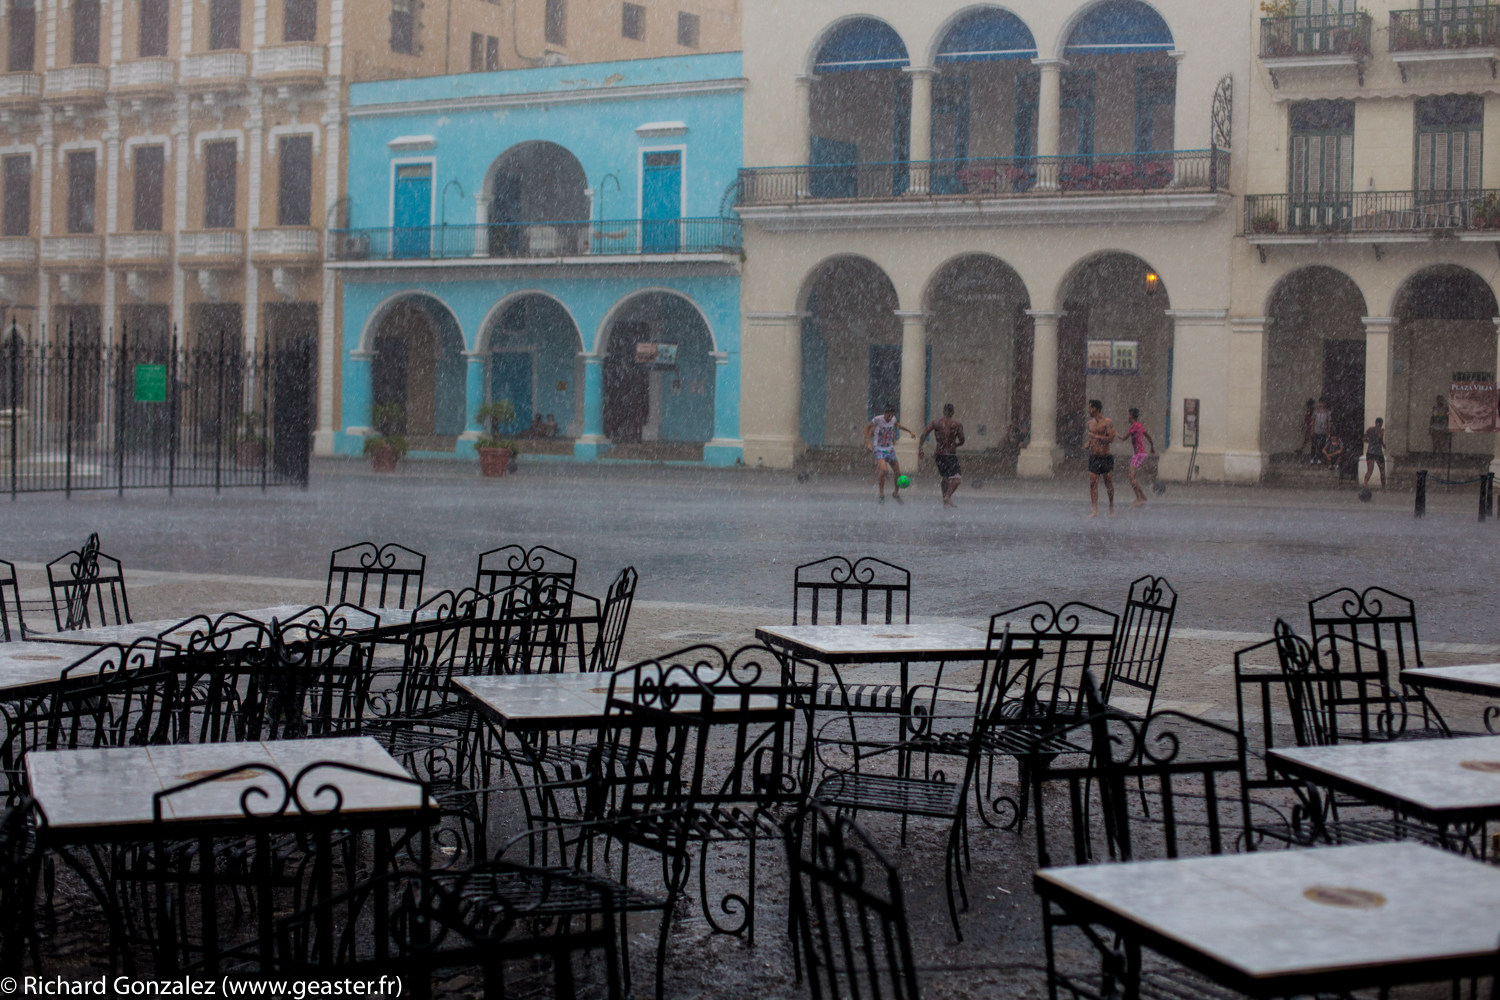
[(1283, 913), (1437, 776), (113, 787), (1478, 678), (558, 701), (181, 630), (29, 665), (848, 643)]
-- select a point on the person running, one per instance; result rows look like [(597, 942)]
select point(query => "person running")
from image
[(1101, 432), (1322, 425), (1138, 439), (947, 435), (880, 439), (1375, 451)]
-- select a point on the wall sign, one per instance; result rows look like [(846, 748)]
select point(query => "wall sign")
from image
[(150, 383), (1113, 357), (653, 355), (1190, 423), (1472, 405)]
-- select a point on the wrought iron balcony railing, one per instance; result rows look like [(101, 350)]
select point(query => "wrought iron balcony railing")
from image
[(1444, 28), (1315, 35), (1359, 212), (990, 177), (627, 237)]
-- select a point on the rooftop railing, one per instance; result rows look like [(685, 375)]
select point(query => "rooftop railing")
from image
[(1444, 28), (510, 240), (1352, 213), (990, 177), (1315, 35)]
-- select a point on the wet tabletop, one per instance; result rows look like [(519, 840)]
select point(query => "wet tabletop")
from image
[(832, 643), (114, 786), (1434, 775), (1280, 913), (181, 630), (539, 700), (26, 666), (1474, 678)]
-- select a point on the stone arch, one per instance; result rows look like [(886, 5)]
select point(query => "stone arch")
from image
[(1315, 349), (530, 345), (851, 349), (416, 350), (981, 50), (670, 399), (1119, 88), (835, 29), (859, 110), (538, 205)]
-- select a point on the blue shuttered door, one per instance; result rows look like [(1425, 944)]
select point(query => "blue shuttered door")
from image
[(413, 212), (661, 202), (511, 379)]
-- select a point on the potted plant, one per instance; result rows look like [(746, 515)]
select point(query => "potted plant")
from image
[(250, 442), (494, 451), (1265, 223), (388, 446)]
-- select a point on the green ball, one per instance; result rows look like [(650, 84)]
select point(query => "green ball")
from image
[(903, 481)]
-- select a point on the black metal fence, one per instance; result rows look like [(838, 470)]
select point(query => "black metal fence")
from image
[(1371, 212), (80, 414)]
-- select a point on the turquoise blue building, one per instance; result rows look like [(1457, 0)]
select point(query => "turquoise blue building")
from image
[(562, 238)]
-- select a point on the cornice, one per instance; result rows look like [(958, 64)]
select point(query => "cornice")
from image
[(547, 98)]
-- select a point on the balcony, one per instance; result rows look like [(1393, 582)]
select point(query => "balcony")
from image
[(144, 78), (1373, 217), (19, 91), (138, 250), (626, 241), (1167, 186), (212, 248), (291, 245), (17, 253), (77, 83), (1314, 42), (298, 64), (1449, 35), (76, 252), (225, 70)]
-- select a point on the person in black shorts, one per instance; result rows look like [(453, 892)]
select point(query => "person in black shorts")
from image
[(1101, 431), (1375, 451), (947, 434)]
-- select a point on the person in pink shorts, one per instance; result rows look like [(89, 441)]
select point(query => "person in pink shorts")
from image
[(1139, 440)]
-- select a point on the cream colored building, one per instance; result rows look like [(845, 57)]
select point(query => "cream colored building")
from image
[(962, 203), (1371, 225), (174, 164)]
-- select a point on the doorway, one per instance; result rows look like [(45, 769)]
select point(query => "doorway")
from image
[(661, 201), (627, 385), (513, 379), (412, 211)]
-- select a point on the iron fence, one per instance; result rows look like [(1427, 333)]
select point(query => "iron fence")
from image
[(989, 177), (80, 414), (1448, 27), (1336, 213), (1315, 35), (537, 239)]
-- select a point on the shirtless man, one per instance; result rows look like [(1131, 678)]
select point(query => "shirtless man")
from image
[(1101, 431), (880, 440), (947, 435)]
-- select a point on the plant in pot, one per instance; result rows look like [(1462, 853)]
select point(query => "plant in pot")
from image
[(388, 446), (494, 451), (1265, 223), (250, 441)]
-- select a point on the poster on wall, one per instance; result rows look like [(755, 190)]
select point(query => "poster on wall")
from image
[(1472, 406), (659, 356), (1113, 357)]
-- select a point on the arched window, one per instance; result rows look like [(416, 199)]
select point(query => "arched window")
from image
[(861, 44)]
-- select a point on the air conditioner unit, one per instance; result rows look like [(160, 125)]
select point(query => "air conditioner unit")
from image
[(550, 58)]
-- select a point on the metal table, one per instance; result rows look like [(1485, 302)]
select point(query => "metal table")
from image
[(1284, 923), (178, 629), (848, 645), (1475, 678), (1443, 782), (29, 667)]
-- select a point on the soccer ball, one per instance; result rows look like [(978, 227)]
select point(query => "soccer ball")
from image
[(903, 481), (1365, 495)]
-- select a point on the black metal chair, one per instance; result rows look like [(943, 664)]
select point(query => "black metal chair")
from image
[(1166, 786), (849, 917), (371, 576), (10, 604), (20, 870), (1140, 647), (845, 583), (510, 565), (88, 588), (1376, 617), (413, 924), (614, 617)]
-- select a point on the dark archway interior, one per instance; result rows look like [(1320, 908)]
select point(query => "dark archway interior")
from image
[(659, 400), (419, 369), (851, 352), (979, 346), (1316, 351), (1444, 332), (534, 365), (538, 202)]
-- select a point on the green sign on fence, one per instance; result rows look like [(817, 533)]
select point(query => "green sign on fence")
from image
[(150, 383)]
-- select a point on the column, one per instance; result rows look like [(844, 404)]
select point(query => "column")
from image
[(771, 395), (802, 122), (1201, 370), (256, 123), (1244, 455), (1377, 374), (474, 398), (1495, 462), (592, 443), (1048, 119), (111, 206), (913, 404), (921, 129), (1036, 459), (181, 130), (324, 441), (359, 399), (481, 221), (726, 448), (44, 277)]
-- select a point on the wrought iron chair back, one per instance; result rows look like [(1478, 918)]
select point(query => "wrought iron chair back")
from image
[(614, 618), (436, 648), (88, 589), (864, 582), (1375, 617), (1344, 695), (1140, 648), (10, 604), (527, 628), (1068, 641), (510, 565), (20, 869), (375, 576), (851, 923)]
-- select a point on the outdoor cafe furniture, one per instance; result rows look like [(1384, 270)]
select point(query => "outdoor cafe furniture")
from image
[(1482, 679), (88, 588), (1288, 923), (388, 575), (29, 667)]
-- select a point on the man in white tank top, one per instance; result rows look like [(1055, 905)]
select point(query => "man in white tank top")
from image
[(880, 438)]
